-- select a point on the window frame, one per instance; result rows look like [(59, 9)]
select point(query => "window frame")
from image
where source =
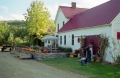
[(63, 23), (72, 39), (64, 39), (58, 27), (60, 39)]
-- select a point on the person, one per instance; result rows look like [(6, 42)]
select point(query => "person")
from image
[(82, 53), (83, 61), (89, 51)]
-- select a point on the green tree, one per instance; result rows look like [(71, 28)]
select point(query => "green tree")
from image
[(4, 33), (21, 32), (11, 39), (52, 26), (37, 17)]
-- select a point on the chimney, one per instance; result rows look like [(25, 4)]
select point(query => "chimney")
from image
[(73, 4)]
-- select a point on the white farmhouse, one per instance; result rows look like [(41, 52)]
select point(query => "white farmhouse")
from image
[(72, 22)]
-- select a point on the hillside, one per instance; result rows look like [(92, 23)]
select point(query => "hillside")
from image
[(13, 22)]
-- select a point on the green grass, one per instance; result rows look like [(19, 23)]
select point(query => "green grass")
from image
[(92, 70)]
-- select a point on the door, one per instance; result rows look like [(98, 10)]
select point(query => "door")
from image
[(94, 39)]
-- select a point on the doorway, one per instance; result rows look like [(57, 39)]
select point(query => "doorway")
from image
[(94, 39)]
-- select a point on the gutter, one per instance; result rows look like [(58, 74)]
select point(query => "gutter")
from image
[(85, 28)]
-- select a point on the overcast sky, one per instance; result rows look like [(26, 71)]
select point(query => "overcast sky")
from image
[(14, 9)]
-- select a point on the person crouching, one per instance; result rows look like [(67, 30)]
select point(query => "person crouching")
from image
[(83, 61)]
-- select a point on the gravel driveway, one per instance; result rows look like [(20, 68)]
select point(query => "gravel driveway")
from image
[(12, 67)]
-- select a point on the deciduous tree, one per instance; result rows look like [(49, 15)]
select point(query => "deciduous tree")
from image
[(37, 17)]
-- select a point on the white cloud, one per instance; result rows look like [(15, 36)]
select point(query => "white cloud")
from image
[(89, 3), (53, 10), (17, 16), (13, 17), (5, 18), (4, 8), (65, 4), (79, 3), (1, 17)]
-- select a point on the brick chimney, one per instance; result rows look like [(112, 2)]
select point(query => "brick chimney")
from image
[(73, 4)]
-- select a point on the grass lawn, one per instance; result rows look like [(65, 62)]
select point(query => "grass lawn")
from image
[(92, 70)]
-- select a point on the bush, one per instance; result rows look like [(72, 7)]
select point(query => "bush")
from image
[(36, 47), (118, 60), (68, 49)]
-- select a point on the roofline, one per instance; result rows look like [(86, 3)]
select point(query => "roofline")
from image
[(68, 7), (86, 28), (57, 14)]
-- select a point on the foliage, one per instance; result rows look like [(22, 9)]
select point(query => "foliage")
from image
[(13, 22), (17, 23), (68, 49), (61, 48), (31, 41), (21, 32), (103, 44), (82, 41), (92, 70), (118, 59), (37, 17), (36, 47), (4, 33), (115, 53), (52, 26), (11, 34), (65, 49), (11, 39)]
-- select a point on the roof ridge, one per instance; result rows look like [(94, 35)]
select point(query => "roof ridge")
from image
[(75, 8)]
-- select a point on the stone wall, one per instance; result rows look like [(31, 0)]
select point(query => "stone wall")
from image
[(46, 56), (43, 56)]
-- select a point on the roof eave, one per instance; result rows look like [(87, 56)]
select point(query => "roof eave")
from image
[(86, 28)]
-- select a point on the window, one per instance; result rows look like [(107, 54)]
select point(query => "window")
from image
[(72, 39), (58, 27), (57, 36), (63, 22), (65, 39), (60, 39), (118, 35), (48, 41)]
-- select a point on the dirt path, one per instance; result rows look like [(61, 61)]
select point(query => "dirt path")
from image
[(12, 67)]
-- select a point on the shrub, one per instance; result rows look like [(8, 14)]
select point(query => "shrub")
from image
[(68, 49), (35, 47), (61, 48), (118, 60)]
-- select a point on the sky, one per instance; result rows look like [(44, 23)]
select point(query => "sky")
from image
[(14, 9)]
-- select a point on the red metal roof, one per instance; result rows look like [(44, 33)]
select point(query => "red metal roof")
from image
[(69, 12), (99, 15)]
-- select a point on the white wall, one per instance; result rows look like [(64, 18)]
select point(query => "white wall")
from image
[(86, 31), (59, 19), (115, 28)]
